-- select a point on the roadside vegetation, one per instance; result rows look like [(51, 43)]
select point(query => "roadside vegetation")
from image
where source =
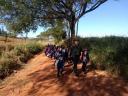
[(108, 53), (14, 54)]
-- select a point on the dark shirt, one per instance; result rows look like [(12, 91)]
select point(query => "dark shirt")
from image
[(75, 51)]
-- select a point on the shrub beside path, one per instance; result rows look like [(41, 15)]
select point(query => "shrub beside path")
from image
[(38, 78)]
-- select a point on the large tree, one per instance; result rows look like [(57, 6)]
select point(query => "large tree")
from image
[(25, 15)]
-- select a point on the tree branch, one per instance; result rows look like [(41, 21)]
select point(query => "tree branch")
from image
[(83, 11), (52, 17), (66, 6), (96, 5)]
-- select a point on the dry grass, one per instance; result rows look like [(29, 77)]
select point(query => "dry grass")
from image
[(20, 41), (17, 50), (13, 41)]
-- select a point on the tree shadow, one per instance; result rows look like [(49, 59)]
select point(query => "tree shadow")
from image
[(45, 83), (98, 86)]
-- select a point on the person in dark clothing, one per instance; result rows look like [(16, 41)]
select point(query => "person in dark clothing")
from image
[(60, 67), (85, 59), (75, 54)]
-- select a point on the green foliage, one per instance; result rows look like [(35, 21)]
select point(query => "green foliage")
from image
[(22, 52), (26, 15), (57, 31), (109, 53), (27, 51), (34, 48)]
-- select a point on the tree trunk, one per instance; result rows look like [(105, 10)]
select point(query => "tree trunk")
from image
[(72, 28), (77, 28)]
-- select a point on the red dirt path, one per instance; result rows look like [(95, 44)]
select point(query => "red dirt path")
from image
[(38, 78)]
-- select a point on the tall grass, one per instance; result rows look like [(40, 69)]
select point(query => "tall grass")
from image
[(13, 56), (108, 53)]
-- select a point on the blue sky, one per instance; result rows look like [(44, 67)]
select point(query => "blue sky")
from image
[(111, 18)]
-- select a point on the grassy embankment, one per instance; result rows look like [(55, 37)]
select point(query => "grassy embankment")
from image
[(16, 52)]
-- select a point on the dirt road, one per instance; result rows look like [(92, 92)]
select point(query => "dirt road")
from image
[(38, 78)]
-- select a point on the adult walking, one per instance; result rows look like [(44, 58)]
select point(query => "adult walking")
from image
[(75, 54)]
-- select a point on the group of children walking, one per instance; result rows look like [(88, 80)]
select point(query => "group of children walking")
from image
[(62, 55)]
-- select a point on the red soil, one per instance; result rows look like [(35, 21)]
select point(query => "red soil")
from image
[(38, 78)]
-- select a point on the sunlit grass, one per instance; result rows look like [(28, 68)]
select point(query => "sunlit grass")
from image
[(15, 53)]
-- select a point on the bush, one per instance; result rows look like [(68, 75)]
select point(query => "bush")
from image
[(34, 48), (25, 57), (7, 65), (20, 49), (108, 53)]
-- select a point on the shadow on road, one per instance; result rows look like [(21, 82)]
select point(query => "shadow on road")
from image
[(45, 83)]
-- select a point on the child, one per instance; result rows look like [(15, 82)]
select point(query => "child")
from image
[(59, 63), (85, 59)]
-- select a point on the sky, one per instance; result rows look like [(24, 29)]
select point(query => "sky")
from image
[(110, 19)]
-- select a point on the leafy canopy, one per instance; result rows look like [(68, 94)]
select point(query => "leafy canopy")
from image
[(26, 15)]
